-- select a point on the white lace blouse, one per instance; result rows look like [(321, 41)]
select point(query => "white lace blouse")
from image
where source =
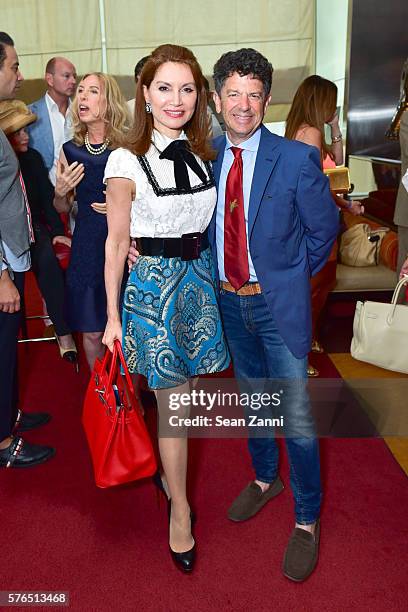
[(158, 210)]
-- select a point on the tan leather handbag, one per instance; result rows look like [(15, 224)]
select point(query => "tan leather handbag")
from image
[(360, 245), (380, 333)]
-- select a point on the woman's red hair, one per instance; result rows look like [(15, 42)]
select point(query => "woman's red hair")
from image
[(139, 138)]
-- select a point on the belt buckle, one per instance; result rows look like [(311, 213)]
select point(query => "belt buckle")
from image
[(190, 246)]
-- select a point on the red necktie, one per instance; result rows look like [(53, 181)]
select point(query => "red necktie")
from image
[(235, 242)]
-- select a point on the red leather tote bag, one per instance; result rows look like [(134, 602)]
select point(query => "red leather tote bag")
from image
[(118, 439)]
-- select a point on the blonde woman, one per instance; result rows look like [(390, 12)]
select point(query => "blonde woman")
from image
[(100, 117)]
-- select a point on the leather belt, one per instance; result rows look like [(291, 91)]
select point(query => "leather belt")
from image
[(247, 289), (188, 247)]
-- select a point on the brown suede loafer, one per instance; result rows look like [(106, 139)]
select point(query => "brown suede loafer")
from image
[(251, 500), (301, 554)]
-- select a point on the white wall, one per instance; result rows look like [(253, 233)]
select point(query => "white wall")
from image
[(331, 42), (330, 53)]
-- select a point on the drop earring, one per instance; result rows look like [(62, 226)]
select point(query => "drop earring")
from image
[(148, 107)]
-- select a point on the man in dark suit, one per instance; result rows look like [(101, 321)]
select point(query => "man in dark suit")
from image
[(273, 228), (15, 234)]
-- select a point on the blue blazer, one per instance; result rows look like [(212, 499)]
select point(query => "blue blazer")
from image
[(40, 132), (292, 225)]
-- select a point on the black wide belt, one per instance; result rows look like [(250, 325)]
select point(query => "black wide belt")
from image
[(188, 247)]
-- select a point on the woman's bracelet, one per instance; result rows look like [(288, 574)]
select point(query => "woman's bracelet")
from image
[(337, 138), (350, 204)]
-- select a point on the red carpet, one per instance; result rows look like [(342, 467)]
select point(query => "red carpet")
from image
[(108, 548)]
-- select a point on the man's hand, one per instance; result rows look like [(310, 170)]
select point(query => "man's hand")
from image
[(62, 240), (68, 178), (9, 295), (404, 269), (99, 207), (132, 255)]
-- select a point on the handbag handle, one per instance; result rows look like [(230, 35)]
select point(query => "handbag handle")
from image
[(106, 358), (117, 355), (403, 281)]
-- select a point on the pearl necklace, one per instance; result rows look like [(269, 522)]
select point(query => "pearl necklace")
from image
[(92, 150)]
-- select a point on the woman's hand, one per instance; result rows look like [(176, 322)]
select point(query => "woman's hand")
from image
[(62, 240), (113, 331), (404, 269), (132, 255), (355, 207), (68, 178), (334, 121)]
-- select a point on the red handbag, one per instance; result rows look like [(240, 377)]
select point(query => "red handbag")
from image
[(118, 439), (63, 254), (62, 251)]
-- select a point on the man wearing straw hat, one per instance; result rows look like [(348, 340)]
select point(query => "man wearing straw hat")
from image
[(15, 237)]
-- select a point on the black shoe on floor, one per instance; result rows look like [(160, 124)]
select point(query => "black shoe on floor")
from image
[(30, 420), (184, 561), (21, 454)]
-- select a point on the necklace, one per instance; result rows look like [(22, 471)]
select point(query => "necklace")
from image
[(93, 150)]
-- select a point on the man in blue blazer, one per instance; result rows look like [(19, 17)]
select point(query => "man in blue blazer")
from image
[(53, 125), (290, 223)]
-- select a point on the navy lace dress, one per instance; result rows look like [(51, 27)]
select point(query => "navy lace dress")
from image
[(85, 300)]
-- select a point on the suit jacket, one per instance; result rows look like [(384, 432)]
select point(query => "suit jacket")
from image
[(40, 132), (292, 225), (13, 215), (401, 204)]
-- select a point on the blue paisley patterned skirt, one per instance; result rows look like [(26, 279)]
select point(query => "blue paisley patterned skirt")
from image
[(171, 322)]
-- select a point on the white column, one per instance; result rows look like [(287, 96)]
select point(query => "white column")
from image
[(104, 66)]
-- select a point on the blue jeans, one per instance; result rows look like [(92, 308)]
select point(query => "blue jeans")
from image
[(259, 352)]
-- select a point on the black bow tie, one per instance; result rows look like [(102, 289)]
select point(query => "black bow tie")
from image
[(180, 154)]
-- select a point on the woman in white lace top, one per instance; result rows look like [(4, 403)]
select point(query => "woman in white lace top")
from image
[(160, 191)]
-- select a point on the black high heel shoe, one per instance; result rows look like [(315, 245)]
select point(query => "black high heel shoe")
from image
[(184, 561), (69, 354)]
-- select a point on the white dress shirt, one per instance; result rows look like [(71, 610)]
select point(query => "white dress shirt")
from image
[(17, 264), (249, 151)]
